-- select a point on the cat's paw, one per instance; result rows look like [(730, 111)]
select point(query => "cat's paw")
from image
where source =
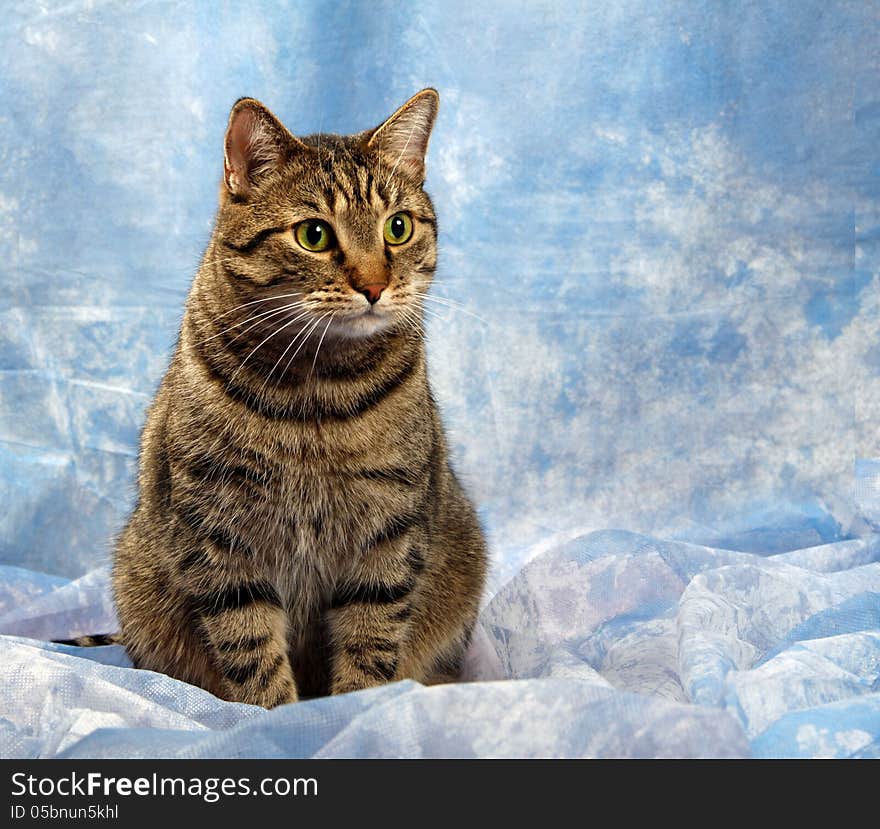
[(292, 696), (352, 682), (270, 697)]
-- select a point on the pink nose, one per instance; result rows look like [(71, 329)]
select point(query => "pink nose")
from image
[(373, 292)]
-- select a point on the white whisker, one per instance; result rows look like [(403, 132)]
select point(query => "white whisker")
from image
[(256, 302), (410, 316), (434, 314), (449, 304), (274, 333), (326, 329), (304, 333), (255, 320), (305, 340)]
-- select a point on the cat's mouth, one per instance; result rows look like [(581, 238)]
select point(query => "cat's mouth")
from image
[(375, 312)]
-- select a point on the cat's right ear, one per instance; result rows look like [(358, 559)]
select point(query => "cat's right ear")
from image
[(256, 143)]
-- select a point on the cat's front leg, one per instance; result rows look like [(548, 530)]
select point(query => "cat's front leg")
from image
[(370, 618), (245, 624)]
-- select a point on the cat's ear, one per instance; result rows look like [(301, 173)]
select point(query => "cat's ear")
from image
[(256, 143), (403, 138)]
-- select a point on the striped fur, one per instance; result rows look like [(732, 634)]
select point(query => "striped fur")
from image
[(299, 530)]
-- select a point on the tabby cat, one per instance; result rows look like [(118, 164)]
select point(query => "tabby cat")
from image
[(299, 530)]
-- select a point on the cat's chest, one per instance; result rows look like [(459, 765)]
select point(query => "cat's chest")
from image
[(312, 503), (324, 491), (295, 503), (291, 524), (325, 480)]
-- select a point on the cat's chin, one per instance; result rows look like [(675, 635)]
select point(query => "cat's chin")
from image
[(362, 325)]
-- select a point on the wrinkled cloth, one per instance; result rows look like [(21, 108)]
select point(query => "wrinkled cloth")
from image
[(613, 644)]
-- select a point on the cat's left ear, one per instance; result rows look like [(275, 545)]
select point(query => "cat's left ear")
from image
[(403, 138)]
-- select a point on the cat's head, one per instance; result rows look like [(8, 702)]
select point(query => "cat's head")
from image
[(338, 227)]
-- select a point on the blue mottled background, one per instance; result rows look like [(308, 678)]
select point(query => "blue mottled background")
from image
[(664, 213)]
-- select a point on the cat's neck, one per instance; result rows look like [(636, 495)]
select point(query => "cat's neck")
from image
[(276, 373)]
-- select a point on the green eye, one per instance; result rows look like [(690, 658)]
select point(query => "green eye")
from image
[(314, 235), (398, 229)]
